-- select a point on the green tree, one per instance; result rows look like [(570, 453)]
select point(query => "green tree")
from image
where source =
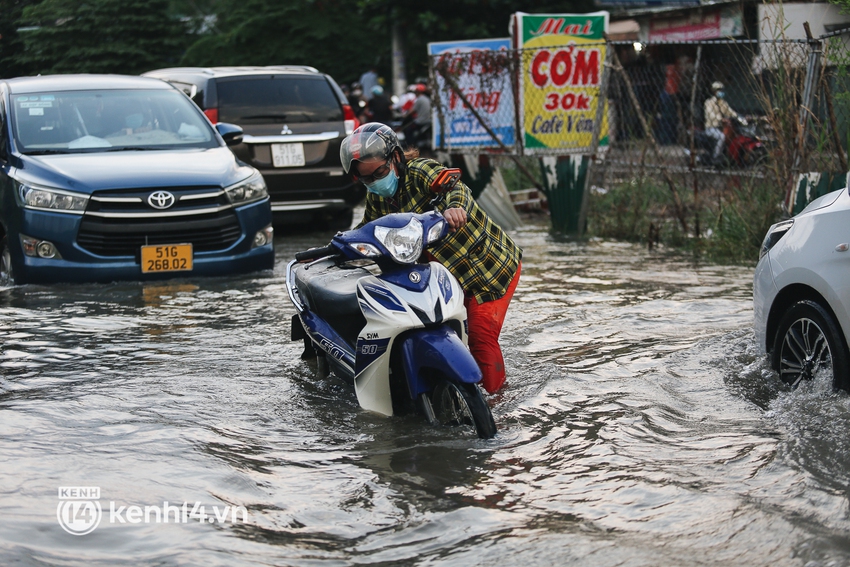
[(345, 37), (322, 33), (99, 36), (446, 20), (10, 42)]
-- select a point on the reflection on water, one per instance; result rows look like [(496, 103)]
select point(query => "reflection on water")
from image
[(639, 428)]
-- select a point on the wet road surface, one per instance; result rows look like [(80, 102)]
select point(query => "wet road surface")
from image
[(639, 428)]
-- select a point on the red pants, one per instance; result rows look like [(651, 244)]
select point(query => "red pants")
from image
[(485, 324)]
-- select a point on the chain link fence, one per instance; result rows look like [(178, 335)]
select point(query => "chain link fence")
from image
[(701, 118)]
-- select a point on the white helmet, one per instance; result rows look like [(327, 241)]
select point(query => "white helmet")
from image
[(716, 86)]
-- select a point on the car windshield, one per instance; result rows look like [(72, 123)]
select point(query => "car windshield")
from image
[(108, 120), (261, 100)]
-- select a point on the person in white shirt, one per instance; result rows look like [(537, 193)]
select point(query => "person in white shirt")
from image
[(367, 81), (716, 111)]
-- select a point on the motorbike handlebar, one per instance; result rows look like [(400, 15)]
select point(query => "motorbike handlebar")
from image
[(314, 253)]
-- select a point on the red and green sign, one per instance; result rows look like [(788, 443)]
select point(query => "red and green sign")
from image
[(561, 73)]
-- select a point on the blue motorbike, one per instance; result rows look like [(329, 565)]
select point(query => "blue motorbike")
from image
[(393, 327)]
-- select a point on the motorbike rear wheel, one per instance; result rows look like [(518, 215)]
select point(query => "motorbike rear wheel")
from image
[(463, 404)]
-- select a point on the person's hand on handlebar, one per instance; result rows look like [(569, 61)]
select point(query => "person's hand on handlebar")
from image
[(455, 217)]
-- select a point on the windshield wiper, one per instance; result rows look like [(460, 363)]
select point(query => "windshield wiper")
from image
[(45, 152), (261, 116), (132, 149)]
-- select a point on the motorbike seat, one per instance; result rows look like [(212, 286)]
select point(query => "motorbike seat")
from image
[(331, 292)]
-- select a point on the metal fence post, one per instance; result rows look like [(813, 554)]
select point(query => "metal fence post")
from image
[(806, 106), (601, 108)]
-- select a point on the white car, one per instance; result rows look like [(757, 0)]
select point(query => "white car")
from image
[(801, 292)]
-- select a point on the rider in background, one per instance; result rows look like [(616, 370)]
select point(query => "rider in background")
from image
[(380, 107), (483, 258), (716, 111), (419, 115)]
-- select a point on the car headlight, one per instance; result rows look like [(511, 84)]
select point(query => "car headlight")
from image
[(33, 197), (774, 235), (252, 189), (404, 244)]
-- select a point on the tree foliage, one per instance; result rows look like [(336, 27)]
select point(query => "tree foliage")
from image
[(99, 36), (339, 37), (327, 34), (10, 43)]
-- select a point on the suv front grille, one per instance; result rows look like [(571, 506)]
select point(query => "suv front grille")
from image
[(119, 223)]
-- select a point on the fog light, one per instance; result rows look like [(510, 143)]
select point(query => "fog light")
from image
[(263, 237), (46, 249), (42, 248)]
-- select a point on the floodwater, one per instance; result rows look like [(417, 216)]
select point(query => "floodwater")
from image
[(639, 428)]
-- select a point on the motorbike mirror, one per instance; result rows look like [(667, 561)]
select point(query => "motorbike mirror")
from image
[(446, 180)]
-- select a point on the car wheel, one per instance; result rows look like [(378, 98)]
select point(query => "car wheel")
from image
[(810, 341), (5, 262)]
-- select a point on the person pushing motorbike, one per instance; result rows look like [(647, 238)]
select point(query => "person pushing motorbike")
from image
[(483, 258)]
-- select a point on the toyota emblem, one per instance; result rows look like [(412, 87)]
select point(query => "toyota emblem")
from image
[(414, 277), (160, 199)]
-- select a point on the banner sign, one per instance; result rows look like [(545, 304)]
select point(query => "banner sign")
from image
[(694, 26), (487, 89), (563, 58)]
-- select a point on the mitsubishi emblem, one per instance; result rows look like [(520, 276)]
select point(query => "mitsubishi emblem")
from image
[(286, 130), (160, 199)]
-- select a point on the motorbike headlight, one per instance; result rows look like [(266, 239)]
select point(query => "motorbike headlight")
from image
[(404, 244), (42, 198), (252, 189), (774, 235)]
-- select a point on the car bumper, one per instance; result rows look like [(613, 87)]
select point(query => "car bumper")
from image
[(764, 293), (80, 265)]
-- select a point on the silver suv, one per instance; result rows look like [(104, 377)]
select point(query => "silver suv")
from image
[(294, 119)]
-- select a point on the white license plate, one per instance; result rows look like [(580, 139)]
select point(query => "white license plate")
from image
[(288, 155)]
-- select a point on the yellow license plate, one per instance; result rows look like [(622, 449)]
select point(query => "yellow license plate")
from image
[(167, 258)]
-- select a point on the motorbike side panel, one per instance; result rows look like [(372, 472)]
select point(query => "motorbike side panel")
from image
[(328, 340), (439, 349)]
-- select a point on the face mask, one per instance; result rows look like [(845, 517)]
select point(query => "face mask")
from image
[(720, 94), (386, 186)]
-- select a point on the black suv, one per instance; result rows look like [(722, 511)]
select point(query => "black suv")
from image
[(294, 119)]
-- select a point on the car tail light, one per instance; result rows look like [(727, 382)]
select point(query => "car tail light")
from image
[(351, 121), (212, 114)]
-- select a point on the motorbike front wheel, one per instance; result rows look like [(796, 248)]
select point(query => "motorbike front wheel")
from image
[(462, 404)]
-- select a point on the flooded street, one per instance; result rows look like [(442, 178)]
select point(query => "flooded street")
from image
[(639, 428)]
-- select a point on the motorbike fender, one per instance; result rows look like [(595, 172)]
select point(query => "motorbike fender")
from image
[(439, 349)]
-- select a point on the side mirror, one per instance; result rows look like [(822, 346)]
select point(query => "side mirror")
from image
[(230, 133), (446, 180)]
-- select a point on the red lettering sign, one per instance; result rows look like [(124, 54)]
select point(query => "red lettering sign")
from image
[(568, 67)]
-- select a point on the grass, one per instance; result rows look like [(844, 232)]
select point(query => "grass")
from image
[(731, 223)]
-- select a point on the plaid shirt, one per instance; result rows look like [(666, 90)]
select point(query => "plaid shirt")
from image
[(480, 254)]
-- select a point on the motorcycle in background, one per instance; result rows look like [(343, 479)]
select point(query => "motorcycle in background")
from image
[(742, 148)]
